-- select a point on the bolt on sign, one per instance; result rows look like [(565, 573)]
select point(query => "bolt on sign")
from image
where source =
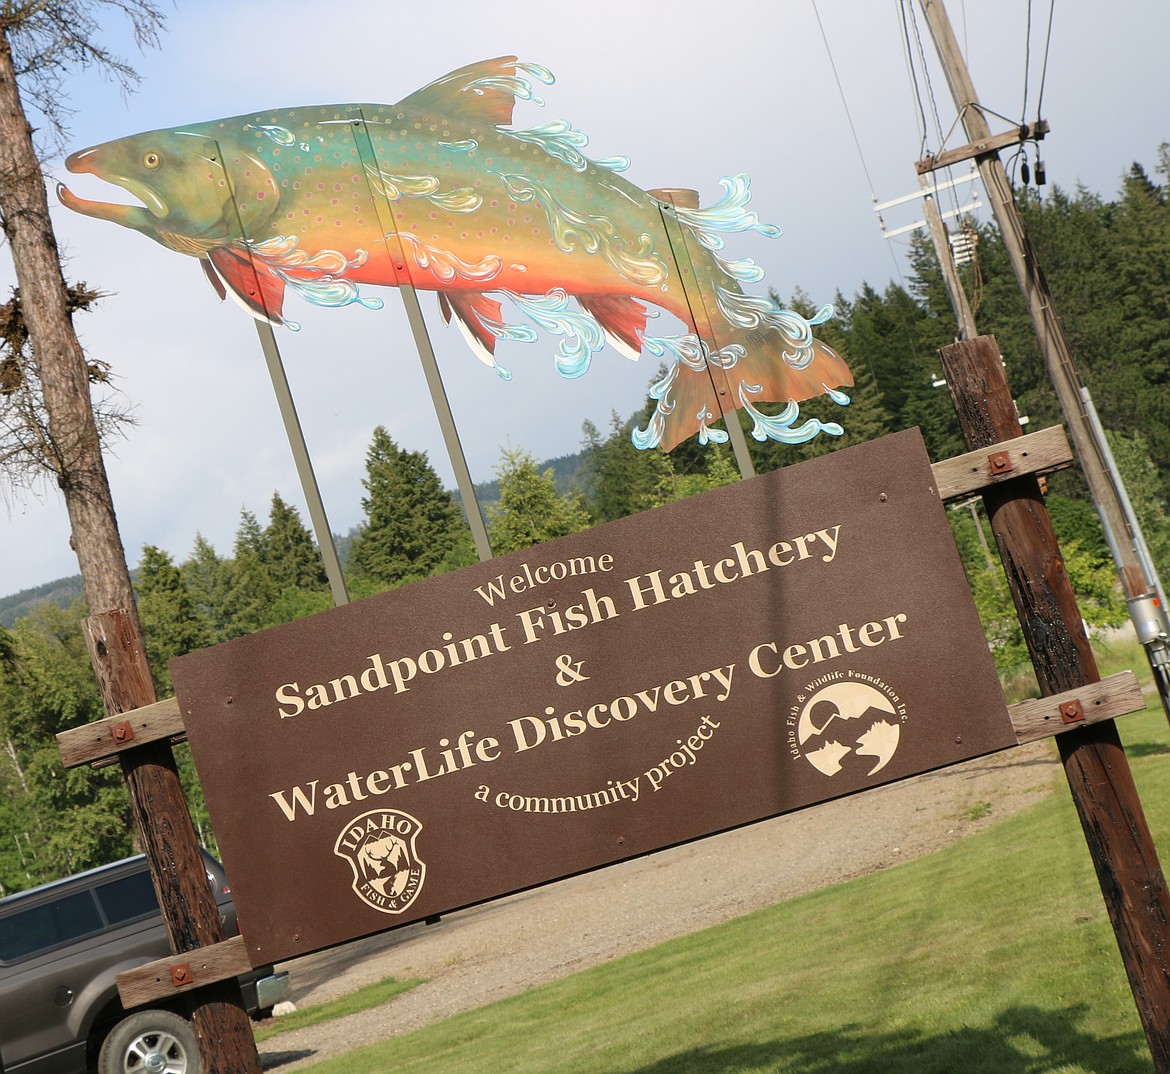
[(745, 653)]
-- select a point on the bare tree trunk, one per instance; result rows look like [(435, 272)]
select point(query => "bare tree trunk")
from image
[(76, 456)]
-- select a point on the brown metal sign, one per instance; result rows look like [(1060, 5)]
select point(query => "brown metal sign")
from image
[(745, 653)]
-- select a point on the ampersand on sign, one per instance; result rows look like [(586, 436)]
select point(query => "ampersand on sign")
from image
[(568, 672)]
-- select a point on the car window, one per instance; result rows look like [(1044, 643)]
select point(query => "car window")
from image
[(127, 898), (48, 925)]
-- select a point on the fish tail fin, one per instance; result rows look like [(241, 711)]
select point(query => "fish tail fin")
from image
[(758, 353)]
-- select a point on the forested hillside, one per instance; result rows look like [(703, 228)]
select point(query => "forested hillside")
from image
[(1108, 264)]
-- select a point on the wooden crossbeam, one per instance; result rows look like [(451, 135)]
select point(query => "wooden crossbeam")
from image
[(1037, 453), (1096, 702), (103, 739), (1031, 132), (175, 974)]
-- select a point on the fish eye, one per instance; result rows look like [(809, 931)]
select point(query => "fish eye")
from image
[(151, 159)]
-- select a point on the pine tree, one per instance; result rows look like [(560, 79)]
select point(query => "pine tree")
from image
[(68, 820), (294, 566), (251, 594), (207, 577), (721, 470), (530, 509), (1137, 395), (289, 551), (413, 526), (170, 627), (1146, 489), (621, 479)]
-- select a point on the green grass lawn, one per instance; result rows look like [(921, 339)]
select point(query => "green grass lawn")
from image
[(994, 956), (362, 999)]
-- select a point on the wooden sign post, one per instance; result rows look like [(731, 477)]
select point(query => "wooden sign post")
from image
[(1098, 772), (221, 1023)]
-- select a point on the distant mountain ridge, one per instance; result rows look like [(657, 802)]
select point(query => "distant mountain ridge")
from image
[(63, 591)]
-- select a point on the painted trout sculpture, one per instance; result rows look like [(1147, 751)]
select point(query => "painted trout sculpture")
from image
[(437, 193)]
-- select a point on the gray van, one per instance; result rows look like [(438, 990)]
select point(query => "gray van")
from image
[(61, 946)]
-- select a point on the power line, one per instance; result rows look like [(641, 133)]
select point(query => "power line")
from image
[(926, 76), (841, 91), (1044, 67), (952, 193), (865, 167), (909, 56), (1027, 57)]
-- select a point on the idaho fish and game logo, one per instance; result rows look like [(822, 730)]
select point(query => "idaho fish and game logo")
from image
[(844, 721), (380, 848)]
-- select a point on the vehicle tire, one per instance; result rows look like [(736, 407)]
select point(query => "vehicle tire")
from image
[(150, 1042)]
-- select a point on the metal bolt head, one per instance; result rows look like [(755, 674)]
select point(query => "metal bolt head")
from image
[(1000, 462), (122, 732), (1072, 711)]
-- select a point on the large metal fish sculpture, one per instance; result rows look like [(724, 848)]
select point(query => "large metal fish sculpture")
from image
[(436, 192)]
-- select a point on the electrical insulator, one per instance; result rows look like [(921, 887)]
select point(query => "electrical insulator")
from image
[(963, 246)]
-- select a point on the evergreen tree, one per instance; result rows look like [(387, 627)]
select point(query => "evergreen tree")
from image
[(621, 479), (1135, 395), (530, 509), (64, 820), (207, 578), (1146, 491), (721, 470), (251, 592), (413, 527), (290, 554), (169, 623)]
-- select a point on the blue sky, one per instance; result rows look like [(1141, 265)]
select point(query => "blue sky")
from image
[(690, 92)]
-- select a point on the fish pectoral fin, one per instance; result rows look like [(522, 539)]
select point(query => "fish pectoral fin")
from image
[(250, 282), (213, 278), (622, 319), (469, 312), (456, 94)]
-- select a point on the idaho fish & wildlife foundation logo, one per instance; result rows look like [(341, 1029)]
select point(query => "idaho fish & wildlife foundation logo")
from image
[(380, 848), (846, 720)]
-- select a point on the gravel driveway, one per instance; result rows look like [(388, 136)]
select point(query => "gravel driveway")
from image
[(494, 951)]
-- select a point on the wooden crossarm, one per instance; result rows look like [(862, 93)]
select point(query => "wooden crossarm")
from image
[(174, 974), (1037, 453), (103, 739)]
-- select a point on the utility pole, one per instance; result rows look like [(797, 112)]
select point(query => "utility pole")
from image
[(1140, 587), (946, 260)]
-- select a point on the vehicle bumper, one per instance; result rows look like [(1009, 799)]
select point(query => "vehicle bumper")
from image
[(271, 990)]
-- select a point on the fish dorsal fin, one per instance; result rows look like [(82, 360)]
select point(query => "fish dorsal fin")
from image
[(469, 93)]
